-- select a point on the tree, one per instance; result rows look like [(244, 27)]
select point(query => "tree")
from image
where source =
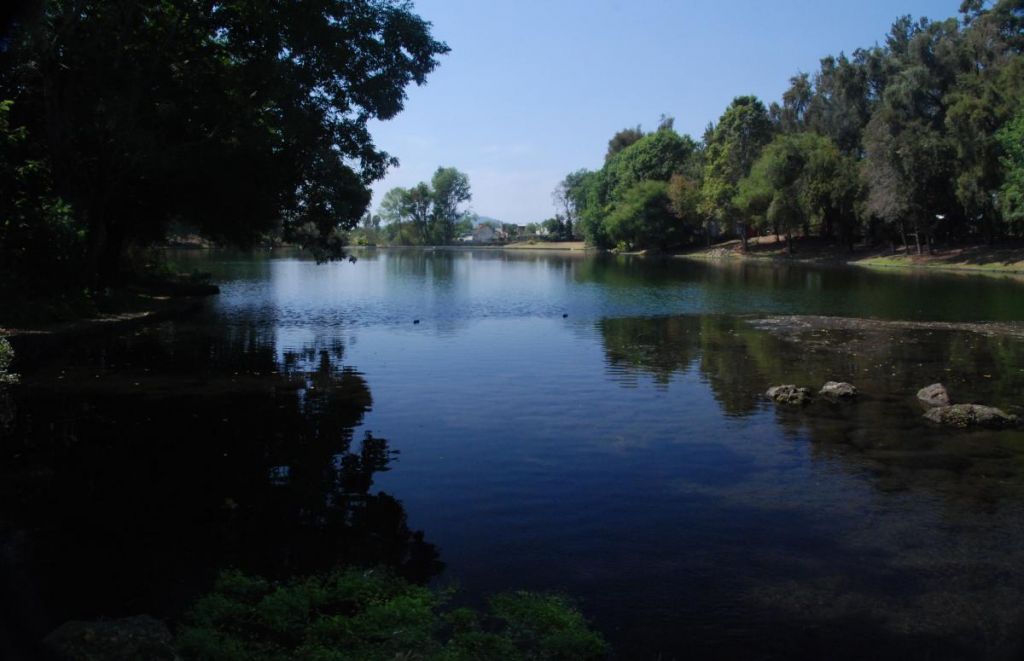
[(909, 159), (799, 181), (450, 189), (988, 88), (792, 114), (41, 244), (1011, 198), (555, 227), (732, 146), (419, 207), (642, 218), (623, 139), (233, 117), (684, 202), (655, 157)]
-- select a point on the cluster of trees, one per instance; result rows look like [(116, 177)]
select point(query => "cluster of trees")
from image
[(917, 139), (427, 214), (122, 117)]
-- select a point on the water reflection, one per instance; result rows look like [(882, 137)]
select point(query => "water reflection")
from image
[(134, 473), (923, 564), (623, 454), (883, 431)]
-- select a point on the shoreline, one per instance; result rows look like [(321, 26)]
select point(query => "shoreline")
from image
[(29, 340), (993, 260)]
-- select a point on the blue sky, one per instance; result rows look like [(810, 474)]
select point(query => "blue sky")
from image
[(533, 90)]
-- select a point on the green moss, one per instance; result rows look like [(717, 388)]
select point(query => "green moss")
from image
[(373, 615)]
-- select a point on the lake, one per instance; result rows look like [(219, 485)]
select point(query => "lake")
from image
[(584, 424)]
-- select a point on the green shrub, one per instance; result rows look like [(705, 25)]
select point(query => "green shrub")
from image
[(370, 615)]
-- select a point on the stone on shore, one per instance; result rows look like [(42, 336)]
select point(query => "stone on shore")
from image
[(137, 637), (789, 394), (933, 395), (972, 415), (838, 390)]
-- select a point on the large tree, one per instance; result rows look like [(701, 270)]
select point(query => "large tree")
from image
[(1011, 195), (909, 158), (731, 147), (451, 189), (623, 139), (233, 117)]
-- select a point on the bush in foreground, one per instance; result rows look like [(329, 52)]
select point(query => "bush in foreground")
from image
[(369, 615)]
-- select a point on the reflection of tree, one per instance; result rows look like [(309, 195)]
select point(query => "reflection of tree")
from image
[(662, 347), (883, 432), (434, 266), (728, 360), (189, 453)]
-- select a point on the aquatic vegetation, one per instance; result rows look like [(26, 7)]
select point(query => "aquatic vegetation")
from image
[(373, 614)]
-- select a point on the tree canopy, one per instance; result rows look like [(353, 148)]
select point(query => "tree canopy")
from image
[(427, 213), (919, 135), (235, 118)]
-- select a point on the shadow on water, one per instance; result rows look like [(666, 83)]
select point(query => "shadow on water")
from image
[(136, 472), (928, 566)]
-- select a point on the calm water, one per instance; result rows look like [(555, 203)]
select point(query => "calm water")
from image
[(622, 454)]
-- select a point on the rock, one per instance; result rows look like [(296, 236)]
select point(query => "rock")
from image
[(934, 395), (971, 415), (789, 394), (137, 637), (838, 390)]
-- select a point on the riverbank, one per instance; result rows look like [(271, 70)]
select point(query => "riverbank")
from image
[(30, 333), (1003, 258), (546, 245)]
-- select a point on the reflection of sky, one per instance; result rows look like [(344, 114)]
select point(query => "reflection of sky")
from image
[(446, 289)]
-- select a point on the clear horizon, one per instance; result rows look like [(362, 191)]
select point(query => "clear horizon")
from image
[(532, 91)]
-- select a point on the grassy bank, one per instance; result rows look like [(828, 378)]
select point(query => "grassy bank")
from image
[(546, 245), (1001, 258)]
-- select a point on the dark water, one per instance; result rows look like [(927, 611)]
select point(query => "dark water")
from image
[(622, 454)]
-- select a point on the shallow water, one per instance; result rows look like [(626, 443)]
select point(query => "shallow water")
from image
[(554, 421)]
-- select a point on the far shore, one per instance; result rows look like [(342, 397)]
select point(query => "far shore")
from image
[(546, 245), (999, 258)]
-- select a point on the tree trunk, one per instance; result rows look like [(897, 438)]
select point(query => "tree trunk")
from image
[(903, 235), (789, 241), (743, 235)]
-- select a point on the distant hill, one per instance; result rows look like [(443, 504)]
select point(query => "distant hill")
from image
[(480, 220)]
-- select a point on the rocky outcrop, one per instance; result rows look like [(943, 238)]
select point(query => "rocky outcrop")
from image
[(971, 415), (789, 394), (933, 395), (138, 637), (838, 391)]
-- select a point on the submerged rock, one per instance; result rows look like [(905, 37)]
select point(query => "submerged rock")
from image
[(934, 395), (138, 637), (972, 415), (838, 390), (789, 394)]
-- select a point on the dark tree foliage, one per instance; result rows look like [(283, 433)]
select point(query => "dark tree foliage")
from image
[(236, 117), (623, 139)]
